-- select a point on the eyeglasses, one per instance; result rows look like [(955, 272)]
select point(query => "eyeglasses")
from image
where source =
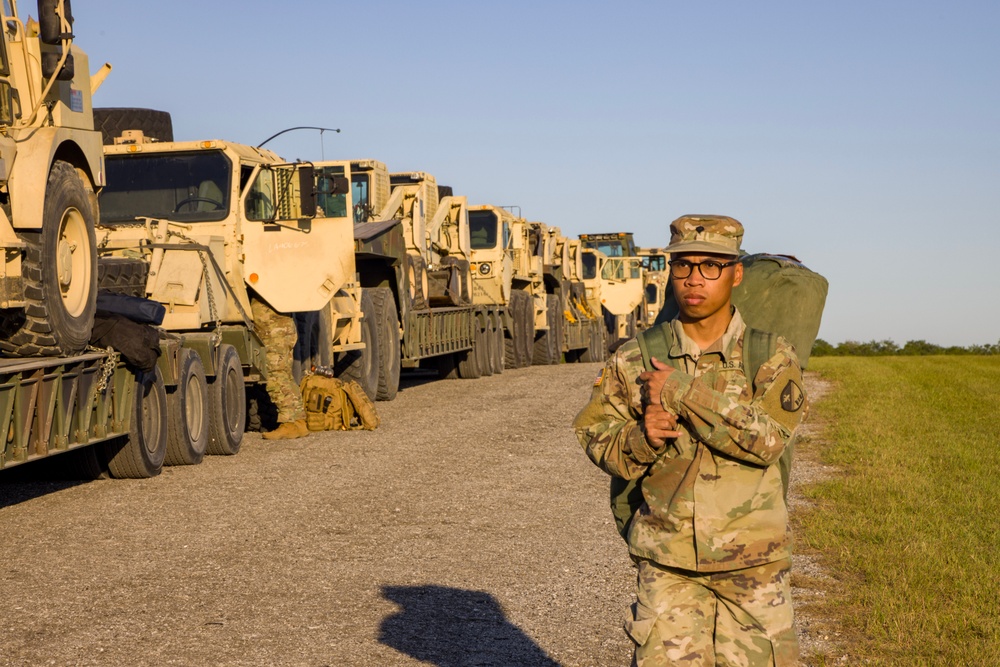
[(710, 269)]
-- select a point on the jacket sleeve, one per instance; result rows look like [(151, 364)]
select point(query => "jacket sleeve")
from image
[(609, 426), (756, 431)]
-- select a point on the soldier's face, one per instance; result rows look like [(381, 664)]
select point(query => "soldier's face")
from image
[(700, 298)]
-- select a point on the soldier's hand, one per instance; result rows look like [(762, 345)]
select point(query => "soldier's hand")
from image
[(653, 381), (659, 425)]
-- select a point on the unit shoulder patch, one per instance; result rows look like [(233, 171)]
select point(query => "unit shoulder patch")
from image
[(792, 397)]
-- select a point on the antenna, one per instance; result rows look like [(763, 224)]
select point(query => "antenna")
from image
[(302, 127)]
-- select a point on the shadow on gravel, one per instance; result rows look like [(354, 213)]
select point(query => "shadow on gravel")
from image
[(451, 627), (36, 479)]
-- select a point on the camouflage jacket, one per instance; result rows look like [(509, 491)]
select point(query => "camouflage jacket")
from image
[(713, 496)]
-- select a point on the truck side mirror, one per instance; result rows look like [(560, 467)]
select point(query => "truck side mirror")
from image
[(307, 190), (49, 25), (339, 185)]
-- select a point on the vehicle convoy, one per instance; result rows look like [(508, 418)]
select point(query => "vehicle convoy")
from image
[(619, 271), (656, 282), (413, 251), (207, 227), (58, 398)]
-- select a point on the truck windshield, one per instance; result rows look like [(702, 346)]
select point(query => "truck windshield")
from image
[(654, 262), (483, 229), (612, 245), (190, 187)]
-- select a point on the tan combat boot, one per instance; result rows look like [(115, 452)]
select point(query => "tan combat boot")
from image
[(288, 431)]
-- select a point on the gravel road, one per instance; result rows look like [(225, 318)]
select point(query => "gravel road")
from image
[(469, 529)]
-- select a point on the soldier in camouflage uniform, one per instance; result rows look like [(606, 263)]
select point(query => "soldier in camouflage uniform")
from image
[(278, 333), (711, 539)]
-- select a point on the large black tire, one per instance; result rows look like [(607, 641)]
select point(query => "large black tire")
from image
[(484, 349), (389, 341), (141, 453), (187, 409), (227, 405), (112, 121), (547, 349), (59, 271), (526, 335), (122, 275), (362, 365), (517, 348), (498, 346), (469, 367)]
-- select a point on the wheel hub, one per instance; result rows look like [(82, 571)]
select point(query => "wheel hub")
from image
[(64, 260)]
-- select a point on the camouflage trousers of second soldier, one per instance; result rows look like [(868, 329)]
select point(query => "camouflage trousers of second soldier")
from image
[(741, 618), (279, 334)]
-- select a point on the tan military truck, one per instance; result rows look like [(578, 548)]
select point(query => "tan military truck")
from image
[(203, 227), (50, 168), (507, 253), (87, 407), (575, 331), (620, 272), (413, 245), (656, 282)]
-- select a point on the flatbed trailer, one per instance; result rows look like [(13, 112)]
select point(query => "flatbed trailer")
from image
[(89, 406)]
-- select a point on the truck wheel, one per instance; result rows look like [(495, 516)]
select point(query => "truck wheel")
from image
[(547, 348), (527, 330), (484, 349), (498, 347), (227, 407), (141, 453), (187, 407), (388, 344), (362, 365), (468, 360), (510, 337), (112, 121), (59, 272)]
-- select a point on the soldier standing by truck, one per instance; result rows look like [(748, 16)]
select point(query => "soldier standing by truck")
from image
[(279, 334), (709, 532)]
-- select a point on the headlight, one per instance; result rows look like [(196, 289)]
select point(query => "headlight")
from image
[(485, 268)]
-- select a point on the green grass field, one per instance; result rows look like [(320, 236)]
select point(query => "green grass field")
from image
[(913, 527)]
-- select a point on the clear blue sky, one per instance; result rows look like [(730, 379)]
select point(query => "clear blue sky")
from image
[(862, 137)]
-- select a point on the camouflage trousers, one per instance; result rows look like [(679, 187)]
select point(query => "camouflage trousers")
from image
[(741, 618), (279, 334)]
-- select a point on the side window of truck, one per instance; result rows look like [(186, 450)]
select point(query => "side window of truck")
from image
[(260, 197)]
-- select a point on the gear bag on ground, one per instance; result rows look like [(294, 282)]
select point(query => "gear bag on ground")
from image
[(334, 405)]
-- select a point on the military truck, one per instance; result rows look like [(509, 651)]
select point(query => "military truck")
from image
[(507, 252), (413, 249), (50, 168), (575, 331), (620, 275), (204, 227), (656, 282), (86, 406)]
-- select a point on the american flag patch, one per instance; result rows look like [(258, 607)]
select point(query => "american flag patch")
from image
[(600, 376)]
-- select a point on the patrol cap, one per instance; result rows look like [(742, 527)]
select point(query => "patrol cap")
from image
[(717, 234)]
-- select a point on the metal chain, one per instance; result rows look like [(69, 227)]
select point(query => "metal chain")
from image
[(108, 366)]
